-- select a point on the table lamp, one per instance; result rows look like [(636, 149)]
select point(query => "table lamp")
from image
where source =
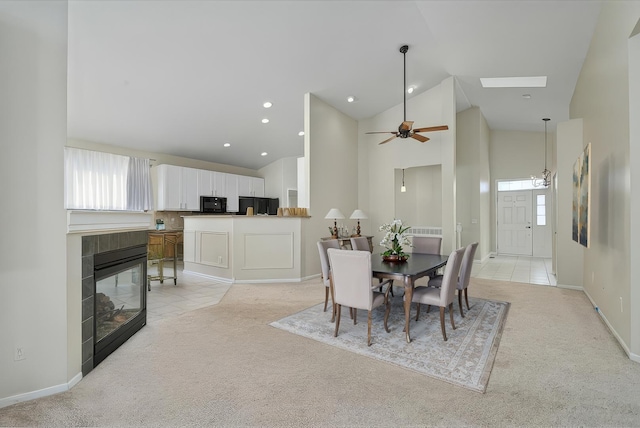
[(335, 214), (358, 214)]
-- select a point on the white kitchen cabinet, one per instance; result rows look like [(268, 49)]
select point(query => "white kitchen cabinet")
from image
[(212, 183), (250, 186), (177, 189), (231, 184)]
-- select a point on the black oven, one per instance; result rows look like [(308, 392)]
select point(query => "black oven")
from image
[(213, 204)]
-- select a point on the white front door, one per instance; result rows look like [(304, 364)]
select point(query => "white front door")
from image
[(514, 223)]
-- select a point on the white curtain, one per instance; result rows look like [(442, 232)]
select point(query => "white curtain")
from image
[(139, 193), (105, 181)]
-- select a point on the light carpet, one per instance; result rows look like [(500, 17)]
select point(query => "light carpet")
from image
[(465, 359)]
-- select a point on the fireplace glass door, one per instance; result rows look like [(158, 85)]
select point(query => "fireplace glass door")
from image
[(120, 298)]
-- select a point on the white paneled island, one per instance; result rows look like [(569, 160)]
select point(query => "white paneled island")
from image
[(231, 248)]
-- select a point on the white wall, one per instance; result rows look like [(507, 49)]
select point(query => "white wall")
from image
[(33, 125), (377, 164), (601, 99)]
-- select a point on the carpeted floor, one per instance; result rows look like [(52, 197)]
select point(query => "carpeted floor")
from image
[(224, 365), (465, 359)]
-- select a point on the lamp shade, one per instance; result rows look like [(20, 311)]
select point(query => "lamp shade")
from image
[(358, 214), (334, 213)]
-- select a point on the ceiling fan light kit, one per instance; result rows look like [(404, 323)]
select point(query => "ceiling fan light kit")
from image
[(404, 130)]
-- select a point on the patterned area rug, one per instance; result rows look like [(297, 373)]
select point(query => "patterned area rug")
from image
[(465, 359)]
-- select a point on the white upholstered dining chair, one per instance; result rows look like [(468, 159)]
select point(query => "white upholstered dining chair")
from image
[(323, 246), (442, 296), (463, 278), (352, 276), (360, 243)]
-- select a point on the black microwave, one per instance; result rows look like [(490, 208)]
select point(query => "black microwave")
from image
[(213, 204)]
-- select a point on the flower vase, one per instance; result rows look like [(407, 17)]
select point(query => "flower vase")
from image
[(394, 258)]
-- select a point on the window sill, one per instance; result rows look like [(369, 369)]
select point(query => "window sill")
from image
[(96, 221)]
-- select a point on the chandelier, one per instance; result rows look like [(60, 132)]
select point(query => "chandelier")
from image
[(545, 180)]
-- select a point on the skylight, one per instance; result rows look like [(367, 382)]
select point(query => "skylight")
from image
[(514, 82)]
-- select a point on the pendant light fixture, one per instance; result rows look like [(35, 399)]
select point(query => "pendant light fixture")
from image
[(545, 181), (403, 188)]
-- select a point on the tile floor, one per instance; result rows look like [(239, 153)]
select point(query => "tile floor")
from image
[(191, 292), (532, 270), (194, 292)]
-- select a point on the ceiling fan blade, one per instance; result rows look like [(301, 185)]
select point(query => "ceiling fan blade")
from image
[(381, 132), (419, 138), (388, 139), (406, 125), (432, 128)]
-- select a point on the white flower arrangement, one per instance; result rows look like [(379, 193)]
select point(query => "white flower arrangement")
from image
[(395, 237)]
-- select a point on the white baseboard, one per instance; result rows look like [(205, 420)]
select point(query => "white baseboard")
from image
[(27, 396), (632, 356), (570, 287), (215, 278), (250, 281)]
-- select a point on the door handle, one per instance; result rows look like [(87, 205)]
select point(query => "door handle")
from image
[(528, 227)]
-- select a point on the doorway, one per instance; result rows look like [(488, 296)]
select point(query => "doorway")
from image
[(524, 215)]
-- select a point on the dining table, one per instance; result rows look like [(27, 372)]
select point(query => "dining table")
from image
[(408, 271)]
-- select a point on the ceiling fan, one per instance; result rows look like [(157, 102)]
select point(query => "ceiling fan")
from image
[(404, 130)]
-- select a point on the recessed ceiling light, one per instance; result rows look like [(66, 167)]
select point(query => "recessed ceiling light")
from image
[(301, 133), (263, 154), (351, 99), (227, 144), (410, 89), (265, 120), (267, 104), (514, 82)]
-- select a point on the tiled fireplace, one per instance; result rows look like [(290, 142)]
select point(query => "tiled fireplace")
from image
[(114, 270)]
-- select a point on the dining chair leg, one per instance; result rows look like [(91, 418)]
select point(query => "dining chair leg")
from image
[(355, 315), (418, 312), (460, 302), (444, 333), (326, 298), (335, 334), (369, 329), (387, 311), (333, 299), (466, 298), (428, 308), (451, 315)]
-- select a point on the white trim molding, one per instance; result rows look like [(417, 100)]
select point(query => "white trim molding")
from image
[(28, 396), (632, 356), (95, 221)]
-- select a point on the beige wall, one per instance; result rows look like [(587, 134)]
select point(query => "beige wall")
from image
[(473, 180), (569, 254), (415, 207), (601, 99), (33, 126), (378, 163), (279, 176), (516, 155), (330, 155)]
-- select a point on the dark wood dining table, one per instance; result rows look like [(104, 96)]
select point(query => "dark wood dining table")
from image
[(416, 266)]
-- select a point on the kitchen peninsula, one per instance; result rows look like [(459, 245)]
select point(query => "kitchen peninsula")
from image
[(233, 248)]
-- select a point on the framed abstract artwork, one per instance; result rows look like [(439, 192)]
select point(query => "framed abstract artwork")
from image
[(581, 198)]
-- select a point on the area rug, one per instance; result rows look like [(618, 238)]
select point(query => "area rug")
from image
[(465, 359)]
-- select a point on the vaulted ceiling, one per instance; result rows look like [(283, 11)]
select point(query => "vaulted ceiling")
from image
[(185, 77)]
